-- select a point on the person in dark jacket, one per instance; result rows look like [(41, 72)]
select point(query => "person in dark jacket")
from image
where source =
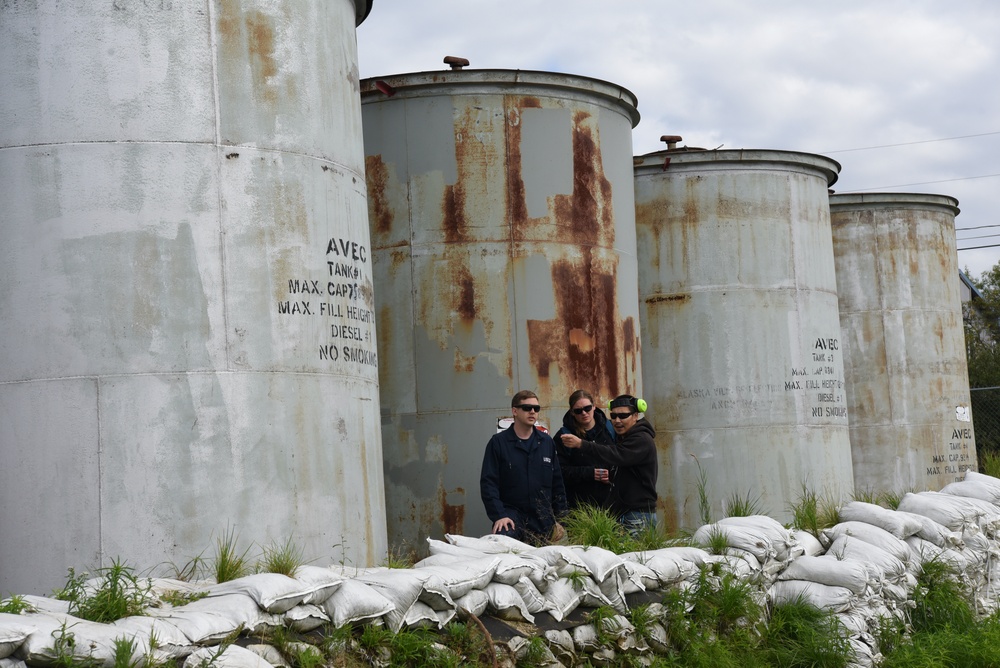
[(521, 483), (586, 479), (633, 496)]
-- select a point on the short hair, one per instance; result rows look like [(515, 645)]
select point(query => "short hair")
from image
[(521, 396), (625, 401), (580, 394)]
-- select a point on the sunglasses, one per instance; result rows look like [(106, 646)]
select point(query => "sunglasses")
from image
[(582, 410), (529, 407), (620, 416)]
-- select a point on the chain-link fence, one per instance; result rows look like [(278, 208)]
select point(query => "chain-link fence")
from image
[(986, 418)]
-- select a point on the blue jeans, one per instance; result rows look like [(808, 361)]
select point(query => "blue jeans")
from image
[(635, 521)]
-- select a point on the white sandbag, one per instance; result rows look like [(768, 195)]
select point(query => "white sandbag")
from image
[(319, 581), (639, 577), (559, 557), (511, 567), (947, 509), (885, 565), (973, 489), (563, 597), (585, 639), (753, 541), (780, 537), (490, 543), (506, 603), (935, 532), (983, 479), (171, 642), (667, 568), (924, 551), (460, 577), (600, 563), (45, 604), (900, 525), (591, 595), (90, 640), (273, 592), (399, 586), (11, 662), (869, 533), (533, 599), (438, 547), (355, 602), (475, 602), (613, 592), (420, 616), (305, 617), (828, 570), (739, 565), (231, 656), (209, 620), (824, 597), (810, 544), (13, 632)]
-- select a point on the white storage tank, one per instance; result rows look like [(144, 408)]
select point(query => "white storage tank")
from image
[(186, 345), (503, 233), (742, 355), (904, 340)]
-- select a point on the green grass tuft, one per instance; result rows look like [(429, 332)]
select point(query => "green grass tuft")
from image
[(743, 506), (118, 593), (284, 558), (230, 563), (14, 605)]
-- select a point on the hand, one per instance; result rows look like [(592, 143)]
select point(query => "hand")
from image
[(601, 475), (558, 532), (571, 441), (503, 524)]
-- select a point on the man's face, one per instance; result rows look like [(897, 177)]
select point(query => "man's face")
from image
[(622, 419), (525, 416)]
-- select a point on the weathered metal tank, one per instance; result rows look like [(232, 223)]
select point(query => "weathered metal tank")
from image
[(503, 238), (187, 345), (742, 365), (904, 340)]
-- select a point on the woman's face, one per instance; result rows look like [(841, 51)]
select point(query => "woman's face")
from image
[(583, 413)]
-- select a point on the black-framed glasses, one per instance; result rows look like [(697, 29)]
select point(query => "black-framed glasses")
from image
[(530, 407), (620, 416), (583, 409)]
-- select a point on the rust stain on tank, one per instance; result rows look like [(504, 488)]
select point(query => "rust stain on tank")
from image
[(586, 214), (377, 178), (584, 341), (452, 516), (453, 209), (260, 45)]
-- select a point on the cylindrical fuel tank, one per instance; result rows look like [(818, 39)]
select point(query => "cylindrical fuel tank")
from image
[(503, 237), (904, 340), (186, 346), (742, 350)]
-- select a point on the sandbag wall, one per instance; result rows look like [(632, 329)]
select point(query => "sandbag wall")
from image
[(862, 569)]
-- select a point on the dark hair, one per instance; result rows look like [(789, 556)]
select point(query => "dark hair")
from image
[(624, 401), (521, 396), (580, 394), (573, 398)]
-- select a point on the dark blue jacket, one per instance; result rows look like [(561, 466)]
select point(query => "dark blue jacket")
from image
[(522, 480)]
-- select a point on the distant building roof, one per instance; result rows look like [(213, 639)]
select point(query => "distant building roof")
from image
[(969, 284)]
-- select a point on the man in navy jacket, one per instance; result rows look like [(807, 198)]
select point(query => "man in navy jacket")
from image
[(521, 483)]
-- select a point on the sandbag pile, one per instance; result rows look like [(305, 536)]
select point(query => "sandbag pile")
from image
[(863, 570)]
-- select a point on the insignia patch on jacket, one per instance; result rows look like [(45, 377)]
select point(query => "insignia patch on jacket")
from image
[(547, 460)]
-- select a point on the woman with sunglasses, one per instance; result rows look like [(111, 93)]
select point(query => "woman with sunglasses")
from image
[(585, 478), (633, 496)]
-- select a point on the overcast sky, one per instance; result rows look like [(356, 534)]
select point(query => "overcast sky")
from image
[(768, 74)]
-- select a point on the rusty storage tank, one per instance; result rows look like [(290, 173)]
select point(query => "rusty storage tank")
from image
[(503, 243), (904, 340), (742, 362), (186, 345)]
